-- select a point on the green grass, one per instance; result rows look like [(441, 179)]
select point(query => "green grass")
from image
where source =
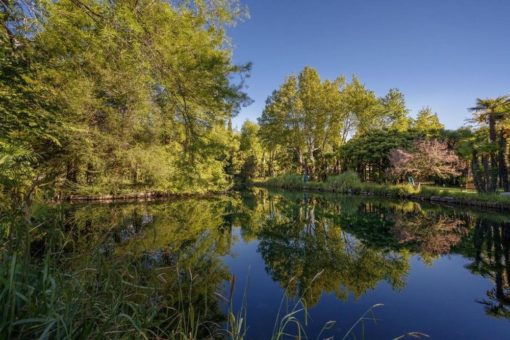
[(348, 183)]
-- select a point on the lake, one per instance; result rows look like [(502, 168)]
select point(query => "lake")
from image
[(327, 259)]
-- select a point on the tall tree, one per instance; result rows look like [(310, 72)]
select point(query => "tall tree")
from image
[(115, 82), (396, 114), (312, 118), (490, 112), (427, 122)]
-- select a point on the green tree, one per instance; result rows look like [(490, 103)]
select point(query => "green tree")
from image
[(396, 114), (123, 96), (491, 113), (427, 122), (308, 120), (368, 155)]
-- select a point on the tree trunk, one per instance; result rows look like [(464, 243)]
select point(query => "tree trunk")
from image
[(311, 166), (492, 129), (503, 165), (300, 160), (90, 173), (488, 175), (493, 158), (477, 174)]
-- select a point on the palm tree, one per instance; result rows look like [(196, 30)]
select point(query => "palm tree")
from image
[(491, 111)]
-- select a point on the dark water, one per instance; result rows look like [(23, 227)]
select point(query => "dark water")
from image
[(439, 270)]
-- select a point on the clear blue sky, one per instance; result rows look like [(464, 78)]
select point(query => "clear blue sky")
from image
[(440, 53)]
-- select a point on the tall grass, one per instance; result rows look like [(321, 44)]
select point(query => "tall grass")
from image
[(49, 291), (293, 314)]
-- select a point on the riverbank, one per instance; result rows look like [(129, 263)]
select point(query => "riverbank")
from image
[(348, 184), (135, 196)]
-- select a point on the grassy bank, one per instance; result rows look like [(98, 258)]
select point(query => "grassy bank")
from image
[(349, 183)]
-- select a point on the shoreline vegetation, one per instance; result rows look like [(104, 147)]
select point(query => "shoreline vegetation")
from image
[(399, 191), (136, 196), (349, 183)]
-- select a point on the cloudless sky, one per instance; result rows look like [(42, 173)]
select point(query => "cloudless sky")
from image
[(440, 53)]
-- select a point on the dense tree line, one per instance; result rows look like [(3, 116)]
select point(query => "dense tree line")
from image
[(320, 128), (489, 146), (113, 97), (325, 127), (101, 97)]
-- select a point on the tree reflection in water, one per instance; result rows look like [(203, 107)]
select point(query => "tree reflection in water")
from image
[(355, 243), (491, 247), (297, 241), (358, 242)]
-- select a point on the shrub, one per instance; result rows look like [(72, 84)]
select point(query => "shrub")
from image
[(288, 181), (346, 181)]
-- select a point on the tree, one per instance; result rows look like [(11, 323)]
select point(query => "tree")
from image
[(490, 112), (427, 122), (309, 120), (250, 150), (248, 169), (303, 118), (365, 110), (103, 85), (368, 155), (395, 111), (427, 159)]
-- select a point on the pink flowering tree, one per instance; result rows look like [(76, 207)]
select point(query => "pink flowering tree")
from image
[(427, 159)]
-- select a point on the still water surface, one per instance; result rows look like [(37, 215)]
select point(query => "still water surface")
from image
[(443, 271)]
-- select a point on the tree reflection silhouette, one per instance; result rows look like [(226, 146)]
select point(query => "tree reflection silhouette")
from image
[(354, 243), (297, 241), (491, 243)]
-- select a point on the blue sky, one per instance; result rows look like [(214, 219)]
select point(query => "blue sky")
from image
[(440, 53)]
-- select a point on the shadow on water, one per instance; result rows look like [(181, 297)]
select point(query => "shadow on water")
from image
[(355, 243)]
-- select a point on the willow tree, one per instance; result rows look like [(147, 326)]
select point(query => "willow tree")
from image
[(139, 92)]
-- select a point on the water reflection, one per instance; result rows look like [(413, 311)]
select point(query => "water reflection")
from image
[(354, 243), (491, 247), (297, 241)]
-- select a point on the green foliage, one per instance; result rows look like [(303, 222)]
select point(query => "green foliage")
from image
[(397, 114), (343, 182), (121, 97), (489, 151), (95, 280), (249, 169), (306, 120), (369, 155), (288, 181), (427, 122)]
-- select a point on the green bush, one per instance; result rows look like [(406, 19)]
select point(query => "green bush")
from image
[(344, 182), (287, 181)]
